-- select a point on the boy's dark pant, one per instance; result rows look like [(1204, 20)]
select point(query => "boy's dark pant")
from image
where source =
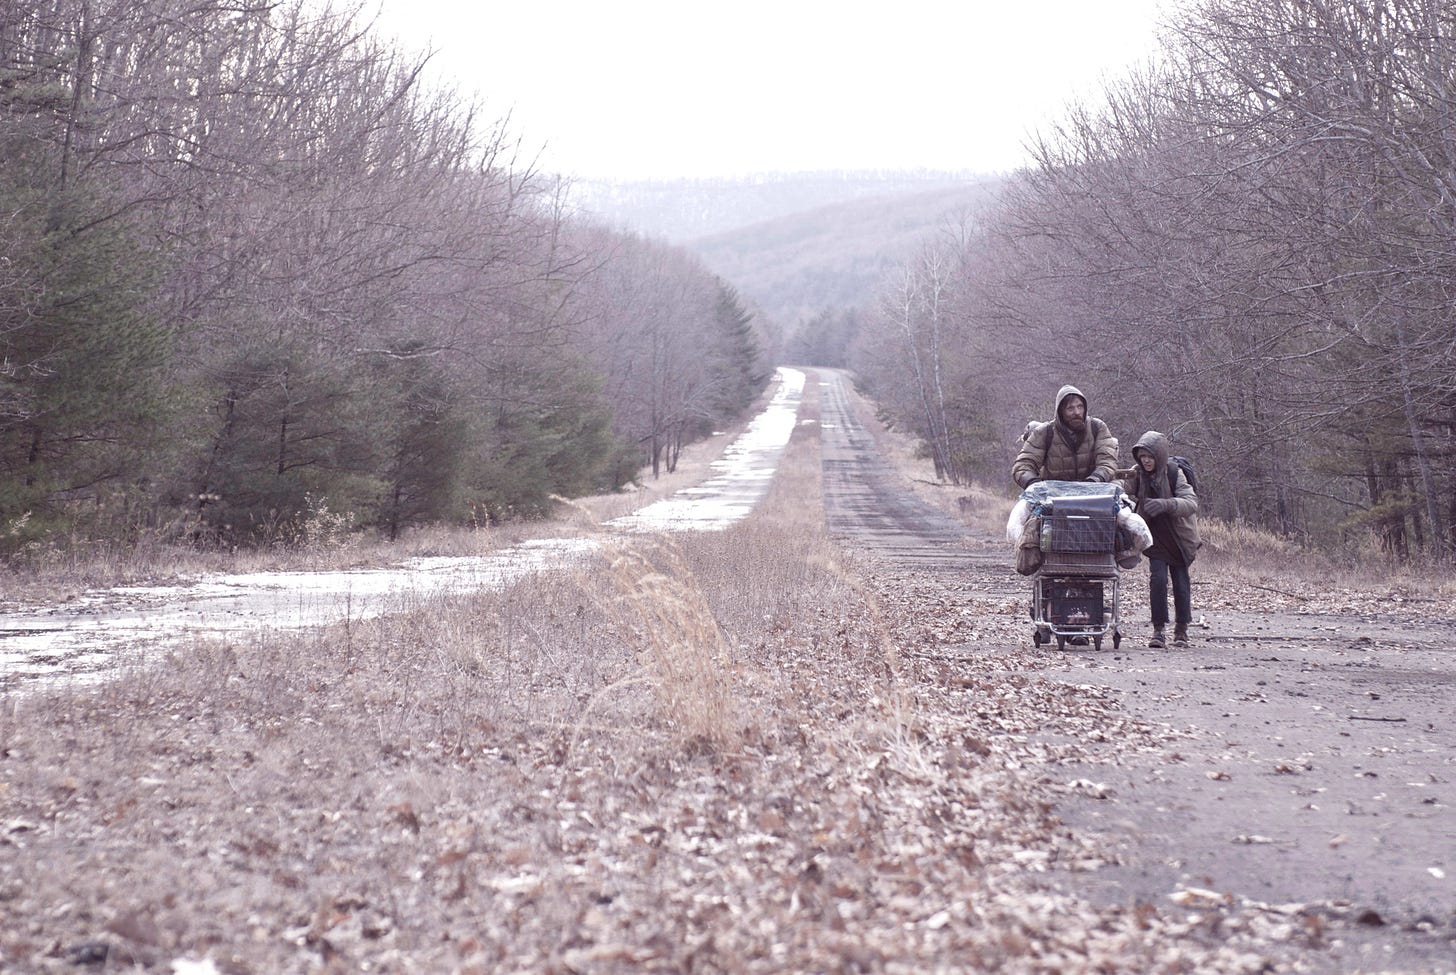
[(1158, 594)]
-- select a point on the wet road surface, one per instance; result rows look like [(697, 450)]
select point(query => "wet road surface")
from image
[(1310, 757)]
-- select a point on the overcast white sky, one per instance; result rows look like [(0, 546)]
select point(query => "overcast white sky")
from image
[(662, 88)]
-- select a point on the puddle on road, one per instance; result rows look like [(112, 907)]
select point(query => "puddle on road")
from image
[(84, 639), (743, 472)]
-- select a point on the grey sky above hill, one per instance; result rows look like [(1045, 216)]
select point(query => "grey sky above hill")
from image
[(660, 89)]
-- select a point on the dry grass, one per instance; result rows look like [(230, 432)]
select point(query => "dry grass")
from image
[(780, 568), (652, 595), (408, 791), (1240, 555), (698, 753)]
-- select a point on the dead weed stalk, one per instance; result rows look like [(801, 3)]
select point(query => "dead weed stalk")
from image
[(651, 592)]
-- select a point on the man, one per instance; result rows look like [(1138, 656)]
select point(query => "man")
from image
[(1072, 447), (1169, 504)]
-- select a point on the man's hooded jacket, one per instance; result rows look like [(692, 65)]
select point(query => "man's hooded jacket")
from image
[(1055, 452)]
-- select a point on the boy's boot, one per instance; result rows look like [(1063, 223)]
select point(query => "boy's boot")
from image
[(1180, 635), (1157, 642)]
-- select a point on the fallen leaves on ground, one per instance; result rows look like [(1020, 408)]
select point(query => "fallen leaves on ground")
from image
[(369, 802)]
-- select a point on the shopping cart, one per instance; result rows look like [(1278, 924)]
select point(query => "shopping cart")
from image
[(1074, 594)]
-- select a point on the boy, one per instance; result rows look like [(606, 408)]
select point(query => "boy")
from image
[(1168, 503)]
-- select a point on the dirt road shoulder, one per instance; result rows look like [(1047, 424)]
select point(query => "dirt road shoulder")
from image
[(1307, 759)]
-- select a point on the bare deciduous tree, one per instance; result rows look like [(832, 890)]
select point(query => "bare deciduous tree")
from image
[(1248, 244)]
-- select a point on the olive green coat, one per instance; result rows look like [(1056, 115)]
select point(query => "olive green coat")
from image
[(1049, 452), (1178, 526)]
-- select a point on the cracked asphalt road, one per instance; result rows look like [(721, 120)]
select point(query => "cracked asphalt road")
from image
[(1311, 756)]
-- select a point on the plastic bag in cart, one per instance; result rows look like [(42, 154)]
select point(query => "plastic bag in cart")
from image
[(1133, 536)]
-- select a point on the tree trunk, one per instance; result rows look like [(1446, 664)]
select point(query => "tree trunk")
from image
[(1427, 477)]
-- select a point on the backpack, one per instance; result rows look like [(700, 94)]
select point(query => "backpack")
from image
[(1184, 465)]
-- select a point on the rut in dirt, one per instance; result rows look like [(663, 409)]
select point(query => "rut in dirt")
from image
[(869, 509)]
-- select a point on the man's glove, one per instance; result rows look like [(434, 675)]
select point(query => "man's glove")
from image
[(1095, 477), (1152, 507), (1028, 480)]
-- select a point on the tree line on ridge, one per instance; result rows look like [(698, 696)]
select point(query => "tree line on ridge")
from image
[(256, 266), (1248, 243)]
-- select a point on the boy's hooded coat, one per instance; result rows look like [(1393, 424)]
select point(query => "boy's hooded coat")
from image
[(1175, 532)]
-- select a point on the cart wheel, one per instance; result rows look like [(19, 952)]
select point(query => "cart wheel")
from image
[(1097, 643), (1116, 639), (1036, 637), (1061, 642)]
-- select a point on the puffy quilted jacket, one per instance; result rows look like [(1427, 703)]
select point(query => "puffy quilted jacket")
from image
[(1051, 452)]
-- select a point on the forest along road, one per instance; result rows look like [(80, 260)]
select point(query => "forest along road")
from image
[(86, 638), (1309, 756)]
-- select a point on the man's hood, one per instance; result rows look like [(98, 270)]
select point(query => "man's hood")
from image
[(1063, 393)]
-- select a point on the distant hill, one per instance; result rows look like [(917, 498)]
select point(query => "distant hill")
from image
[(794, 245), (684, 210), (833, 257)]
